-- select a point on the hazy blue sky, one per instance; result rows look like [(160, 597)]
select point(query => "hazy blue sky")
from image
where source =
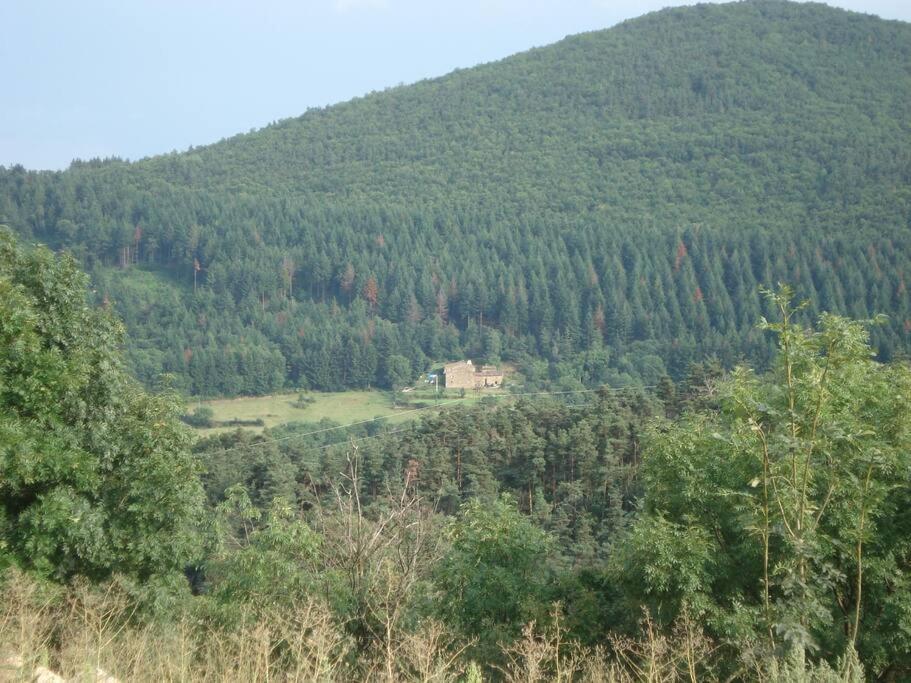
[(132, 78)]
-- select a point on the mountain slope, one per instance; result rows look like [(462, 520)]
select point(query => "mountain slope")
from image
[(609, 203)]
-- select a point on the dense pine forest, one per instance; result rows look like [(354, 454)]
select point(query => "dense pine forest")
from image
[(601, 210), (690, 233)]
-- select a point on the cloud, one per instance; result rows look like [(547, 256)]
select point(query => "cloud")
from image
[(354, 5)]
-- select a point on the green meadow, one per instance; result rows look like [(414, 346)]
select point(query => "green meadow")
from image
[(343, 407)]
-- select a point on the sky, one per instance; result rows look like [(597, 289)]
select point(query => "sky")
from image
[(134, 78)]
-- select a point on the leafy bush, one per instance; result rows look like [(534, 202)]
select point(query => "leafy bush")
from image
[(95, 474), (201, 417)]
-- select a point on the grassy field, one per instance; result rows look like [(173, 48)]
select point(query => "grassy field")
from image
[(343, 407)]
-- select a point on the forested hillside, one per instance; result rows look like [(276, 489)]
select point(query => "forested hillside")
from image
[(608, 204)]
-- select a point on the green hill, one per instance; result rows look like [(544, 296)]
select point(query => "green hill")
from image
[(609, 204)]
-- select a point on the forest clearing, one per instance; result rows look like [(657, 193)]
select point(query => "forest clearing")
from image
[(257, 413)]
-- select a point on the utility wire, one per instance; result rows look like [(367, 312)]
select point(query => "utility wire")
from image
[(266, 442), (344, 426)]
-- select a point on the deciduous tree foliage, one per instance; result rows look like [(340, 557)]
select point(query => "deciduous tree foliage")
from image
[(492, 581), (95, 474), (781, 516)]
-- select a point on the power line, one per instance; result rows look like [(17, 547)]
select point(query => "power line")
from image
[(266, 442), (358, 439), (344, 426)]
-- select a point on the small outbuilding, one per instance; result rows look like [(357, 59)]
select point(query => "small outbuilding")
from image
[(465, 375), (488, 376)]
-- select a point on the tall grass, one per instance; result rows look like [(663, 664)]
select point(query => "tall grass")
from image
[(89, 633), (76, 632), (82, 630)]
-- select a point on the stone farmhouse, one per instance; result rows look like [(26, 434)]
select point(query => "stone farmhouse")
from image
[(465, 375)]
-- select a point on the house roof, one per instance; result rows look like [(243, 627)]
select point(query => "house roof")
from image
[(483, 371), (457, 364)]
